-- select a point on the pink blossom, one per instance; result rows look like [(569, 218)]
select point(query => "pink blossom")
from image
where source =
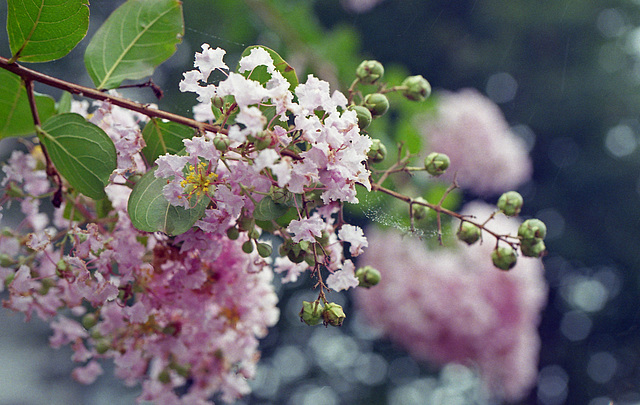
[(486, 156), (343, 279), (257, 57), (306, 228), (209, 60), (65, 331), (88, 373), (446, 305), (246, 92), (293, 270), (355, 237)]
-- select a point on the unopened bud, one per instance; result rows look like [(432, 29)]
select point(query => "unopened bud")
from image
[(221, 142), (247, 246), (279, 195), (469, 233), (377, 103), (296, 256), (504, 257), (377, 152), (420, 211), (333, 314), (510, 203), (253, 233), (89, 320), (45, 285), (416, 88), (369, 71), (164, 376), (363, 114), (532, 229), (436, 163), (233, 233), (368, 276), (533, 247), (102, 346), (311, 312), (263, 140), (264, 249)]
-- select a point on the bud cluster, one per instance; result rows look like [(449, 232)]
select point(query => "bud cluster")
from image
[(314, 312)]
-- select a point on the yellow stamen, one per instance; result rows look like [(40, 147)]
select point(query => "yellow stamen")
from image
[(198, 181)]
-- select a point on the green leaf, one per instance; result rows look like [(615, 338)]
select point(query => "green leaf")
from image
[(137, 37), (81, 152), (260, 72), (64, 104), (164, 137), (267, 209), (151, 212), (45, 30), (15, 113)]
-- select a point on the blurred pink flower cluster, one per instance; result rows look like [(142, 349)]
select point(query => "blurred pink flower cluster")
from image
[(175, 313), (452, 305), (486, 157)]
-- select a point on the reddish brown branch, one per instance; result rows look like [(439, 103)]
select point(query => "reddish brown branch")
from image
[(29, 75)]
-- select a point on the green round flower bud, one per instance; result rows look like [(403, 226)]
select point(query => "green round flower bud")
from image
[(264, 249), (263, 140), (247, 246), (504, 257), (369, 71), (532, 229), (296, 257), (368, 276), (469, 233), (416, 88), (279, 195), (182, 371), (436, 163), (363, 114), (420, 211), (377, 103), (311, 312), (377, 152), (510, 203), (233, 233), (102, 346), (164, 376), (533, 247), (253, 233), (6, 260), (46, 284), (246, 223), (89, 320), (333, 314), (221, 142)]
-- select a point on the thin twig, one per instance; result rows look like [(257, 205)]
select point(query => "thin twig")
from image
[(31, 75)]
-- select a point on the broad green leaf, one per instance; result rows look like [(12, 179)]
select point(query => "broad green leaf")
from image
[(15, 113), (151, 212), (260, 73), (81, 152), (164, 137), (45, 30), (267, 209), (137, 37), (64, 104)]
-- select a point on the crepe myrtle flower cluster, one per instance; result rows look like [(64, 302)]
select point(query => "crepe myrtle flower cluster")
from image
[(183, 312), (284, 161), (451, 306)]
